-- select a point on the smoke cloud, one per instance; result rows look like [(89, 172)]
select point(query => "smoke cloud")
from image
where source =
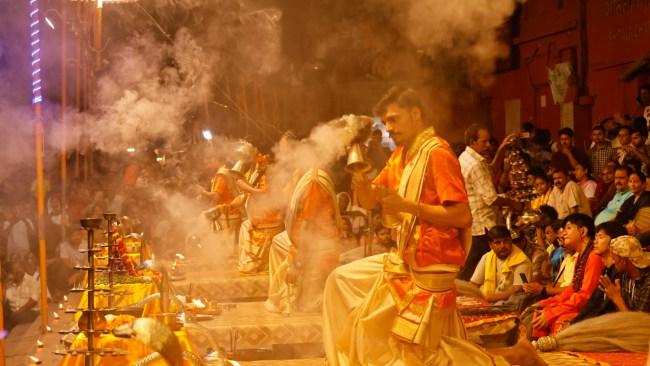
[(460, 30)]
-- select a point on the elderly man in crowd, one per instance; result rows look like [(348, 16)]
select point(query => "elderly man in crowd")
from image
[(567, 197), (621, 177)]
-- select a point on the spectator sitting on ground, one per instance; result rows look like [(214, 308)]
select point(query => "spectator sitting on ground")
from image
[(585, 182), (556, 312), (640, 198), (621, 177), (382, 243), (638, 148), (623, 153), (567, 156), (543, 188), (600, 152), (562, 278), (554, 246), (599, 303), (499, 272), (567, 197), (611, 127), (606, 188), (22, 294), (632, 291)]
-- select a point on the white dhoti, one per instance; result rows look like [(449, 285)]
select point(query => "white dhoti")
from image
[(359, 313), (306, 294), (278, 300), (254, 245)]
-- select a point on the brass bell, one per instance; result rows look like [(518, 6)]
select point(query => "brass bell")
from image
[(356, 162)]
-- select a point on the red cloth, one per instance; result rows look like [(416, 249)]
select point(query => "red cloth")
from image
[(563, 307), (443, 184), (617, 358)]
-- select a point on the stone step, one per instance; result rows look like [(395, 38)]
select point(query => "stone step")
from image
[(249, 331), (298, 362), (225, 286)]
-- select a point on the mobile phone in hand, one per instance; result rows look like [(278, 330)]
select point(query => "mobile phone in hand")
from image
[(523, 278)]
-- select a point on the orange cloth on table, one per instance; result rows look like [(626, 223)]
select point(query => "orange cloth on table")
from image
[(565, 306), (135, 349)]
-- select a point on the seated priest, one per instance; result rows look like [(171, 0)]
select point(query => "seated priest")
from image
[(301, 257), (503, 270)]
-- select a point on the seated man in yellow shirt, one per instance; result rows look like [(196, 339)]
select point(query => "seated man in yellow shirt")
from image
[(499, 272)]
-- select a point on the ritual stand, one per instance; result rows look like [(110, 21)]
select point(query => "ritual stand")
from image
[(90, 313)]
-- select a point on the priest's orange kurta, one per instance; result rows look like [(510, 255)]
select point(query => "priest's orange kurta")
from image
[(443, 184), (224, 186), (316, 215)]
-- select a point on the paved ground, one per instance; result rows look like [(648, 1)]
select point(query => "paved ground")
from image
[(22, 341)]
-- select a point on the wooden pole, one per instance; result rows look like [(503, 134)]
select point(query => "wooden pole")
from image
[(40, 206), (98, 35), (64, 105), (37, 100), (86, 92), (2, 322), (77, 87)]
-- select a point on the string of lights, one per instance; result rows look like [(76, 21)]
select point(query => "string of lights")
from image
[(35, 42)]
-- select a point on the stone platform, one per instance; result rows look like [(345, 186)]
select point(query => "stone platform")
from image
[(226, 286), (248, 328)]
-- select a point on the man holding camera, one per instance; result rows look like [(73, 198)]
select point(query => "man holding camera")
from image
[(482, 195)]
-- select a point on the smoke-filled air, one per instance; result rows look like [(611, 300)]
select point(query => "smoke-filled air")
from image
[(198, 122)]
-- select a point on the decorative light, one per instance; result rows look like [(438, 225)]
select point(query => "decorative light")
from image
[(35, 43), (207, 134), (49, 22), (39, 344), (130, 149)]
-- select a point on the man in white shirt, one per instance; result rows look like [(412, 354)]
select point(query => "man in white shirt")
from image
[(567, 197), (21, 233), (482, 195), (21, 295)]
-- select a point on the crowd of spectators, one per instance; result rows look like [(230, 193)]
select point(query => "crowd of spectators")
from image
[(578, 248)]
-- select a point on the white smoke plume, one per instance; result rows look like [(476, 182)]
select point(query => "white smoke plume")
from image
[(463, 29), (326, 143)]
